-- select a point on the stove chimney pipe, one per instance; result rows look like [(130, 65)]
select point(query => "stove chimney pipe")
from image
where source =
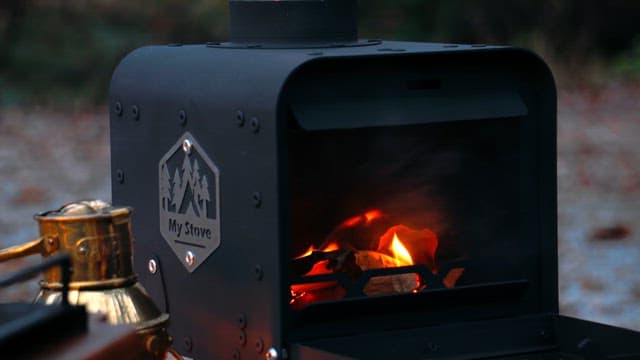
[(282, 22)]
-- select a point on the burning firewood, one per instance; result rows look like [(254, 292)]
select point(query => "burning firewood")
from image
[(353, 264), (359, 232), (364, 243), (320, 262), (390, 284)]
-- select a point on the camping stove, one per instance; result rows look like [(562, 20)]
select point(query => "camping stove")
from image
[(301, 193)]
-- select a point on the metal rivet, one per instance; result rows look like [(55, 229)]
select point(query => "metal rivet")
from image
[(182, 115), (236, 354), (51, 244), (257, 199), (432, 347), (135, 111), (190, 258), (242, 338), (120, 176), (188, 343), (83, 249), (545, 335), (259, 345), (118, 108), (153, 266), (241, 320), (271, 354), (258, 273), (186, 146), (255, 124), (240, 118)]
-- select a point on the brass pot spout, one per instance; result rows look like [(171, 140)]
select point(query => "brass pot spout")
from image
[(31, 248)]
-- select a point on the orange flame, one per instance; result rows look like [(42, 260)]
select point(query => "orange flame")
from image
[(420, 244), (330, 247), (365, 218), (352, 221), (306, 253), (372, 215), (400, 252)]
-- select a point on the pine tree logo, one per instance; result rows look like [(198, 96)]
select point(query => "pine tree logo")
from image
[(189, 203)]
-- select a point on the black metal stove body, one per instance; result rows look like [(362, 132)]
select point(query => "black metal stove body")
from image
[(284, 128)]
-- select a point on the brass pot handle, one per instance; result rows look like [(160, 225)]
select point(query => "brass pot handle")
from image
[(33, 247)]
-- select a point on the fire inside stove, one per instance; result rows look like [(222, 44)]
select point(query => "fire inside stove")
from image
[(406, 210), (366, 242)]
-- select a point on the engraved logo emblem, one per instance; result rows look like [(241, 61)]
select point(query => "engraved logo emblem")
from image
[(189, 202)]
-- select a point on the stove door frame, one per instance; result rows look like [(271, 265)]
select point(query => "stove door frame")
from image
[(525, 89)]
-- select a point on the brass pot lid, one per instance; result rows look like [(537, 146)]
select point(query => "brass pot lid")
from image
[(83, 209)]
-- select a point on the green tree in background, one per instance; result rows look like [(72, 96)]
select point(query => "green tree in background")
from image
[(56, 51), (66, 50)]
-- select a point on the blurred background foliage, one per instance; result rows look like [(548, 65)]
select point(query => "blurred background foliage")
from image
[(56, 52)]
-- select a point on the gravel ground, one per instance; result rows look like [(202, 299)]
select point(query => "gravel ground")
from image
[(49, 158), (599, 204)]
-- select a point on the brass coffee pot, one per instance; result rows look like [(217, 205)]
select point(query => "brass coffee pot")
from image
[(99, 240)]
